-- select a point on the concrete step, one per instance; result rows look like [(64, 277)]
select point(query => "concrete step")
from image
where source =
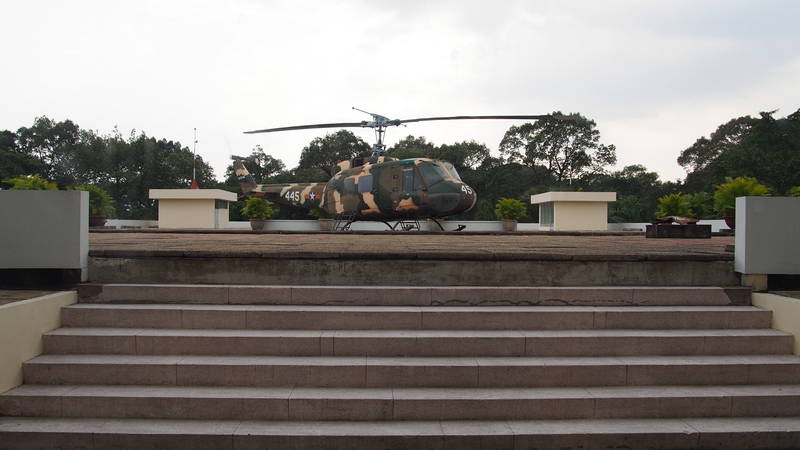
[(655, 434), (258, 403), (413, 296), (148, 341), (412, 317), (341, 371)]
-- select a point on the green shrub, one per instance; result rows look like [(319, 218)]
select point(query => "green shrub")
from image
[(509, 209), (31, 183), (100, 203), (673, 205), (257, 208), (701, 204), (794, 192), (483, 210), (319, 213), (726, 193)]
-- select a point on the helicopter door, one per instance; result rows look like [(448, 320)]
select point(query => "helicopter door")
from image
[(408, 181)]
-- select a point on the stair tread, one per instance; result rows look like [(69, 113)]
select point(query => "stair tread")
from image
[(406, 361), (43, 390), (400, 428), (411, 333), (377, 309)]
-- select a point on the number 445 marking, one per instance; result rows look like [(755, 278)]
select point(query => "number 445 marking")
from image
[(292, 196)]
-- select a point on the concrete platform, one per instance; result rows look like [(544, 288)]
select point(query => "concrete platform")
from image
[(433, 259)]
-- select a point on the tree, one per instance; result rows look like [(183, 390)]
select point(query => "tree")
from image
[(51, 144), (260, 165), (567, 146), (463, 155), (766, 148), (411, 147), (705, 150), (628, 209), (324, 152), (13, 160), (637, 191)]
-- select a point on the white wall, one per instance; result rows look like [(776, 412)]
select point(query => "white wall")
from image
[(186, 213), (580, 216), (312, 225), (44, 230), (767, 235), (120, 223), (716, 225)]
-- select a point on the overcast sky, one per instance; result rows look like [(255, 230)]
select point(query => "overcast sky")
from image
[(654, 75)]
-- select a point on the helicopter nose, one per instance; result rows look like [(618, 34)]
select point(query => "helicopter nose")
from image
[(468, 198), (452, 198)]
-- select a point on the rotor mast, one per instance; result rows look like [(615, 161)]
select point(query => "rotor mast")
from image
[(378, 123)]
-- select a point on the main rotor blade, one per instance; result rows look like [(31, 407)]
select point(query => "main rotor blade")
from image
[(305, 127), (424, 119)]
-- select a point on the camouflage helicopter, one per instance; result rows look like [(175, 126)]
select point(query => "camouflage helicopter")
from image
[(377, 187)]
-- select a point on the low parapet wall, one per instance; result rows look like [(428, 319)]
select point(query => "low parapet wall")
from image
[(21, 326), (785, 314)]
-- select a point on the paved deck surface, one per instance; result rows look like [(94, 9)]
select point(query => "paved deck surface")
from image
[(428, 246)]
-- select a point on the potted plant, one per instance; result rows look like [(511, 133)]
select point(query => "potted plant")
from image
[(323, 218), (726, 193), (259, 211), (31, 183), (509, 210), (101, 206), (673, 205)]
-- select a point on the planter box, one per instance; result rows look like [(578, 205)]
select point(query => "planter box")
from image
[(678, 231), (44, 237)]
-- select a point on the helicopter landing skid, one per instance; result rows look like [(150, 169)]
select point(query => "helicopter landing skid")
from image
[(436, 221), (405, 225), (343, 222)]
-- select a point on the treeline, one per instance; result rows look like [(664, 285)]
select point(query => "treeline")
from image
[(534, 157)]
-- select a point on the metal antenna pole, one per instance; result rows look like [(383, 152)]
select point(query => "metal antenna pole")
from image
[(194, 162)]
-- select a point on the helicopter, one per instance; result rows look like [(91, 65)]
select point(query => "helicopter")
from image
[(376, 187)]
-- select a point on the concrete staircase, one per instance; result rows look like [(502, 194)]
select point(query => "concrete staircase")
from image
[(240, 367)]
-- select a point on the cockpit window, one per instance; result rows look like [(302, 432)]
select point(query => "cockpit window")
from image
[(452, 171), (432, 173)]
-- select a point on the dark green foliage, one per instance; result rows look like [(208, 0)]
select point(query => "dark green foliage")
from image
[(765, 148), (702, 205), (627, 209), (126, 168), (260, 165), (100, 203), (411, 147), (257, 208), (567, 148), (30, 183), (509, 209), (794, 192), (324, 152), (319, 213), (726, 193), (483, 210), (673, 205)]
